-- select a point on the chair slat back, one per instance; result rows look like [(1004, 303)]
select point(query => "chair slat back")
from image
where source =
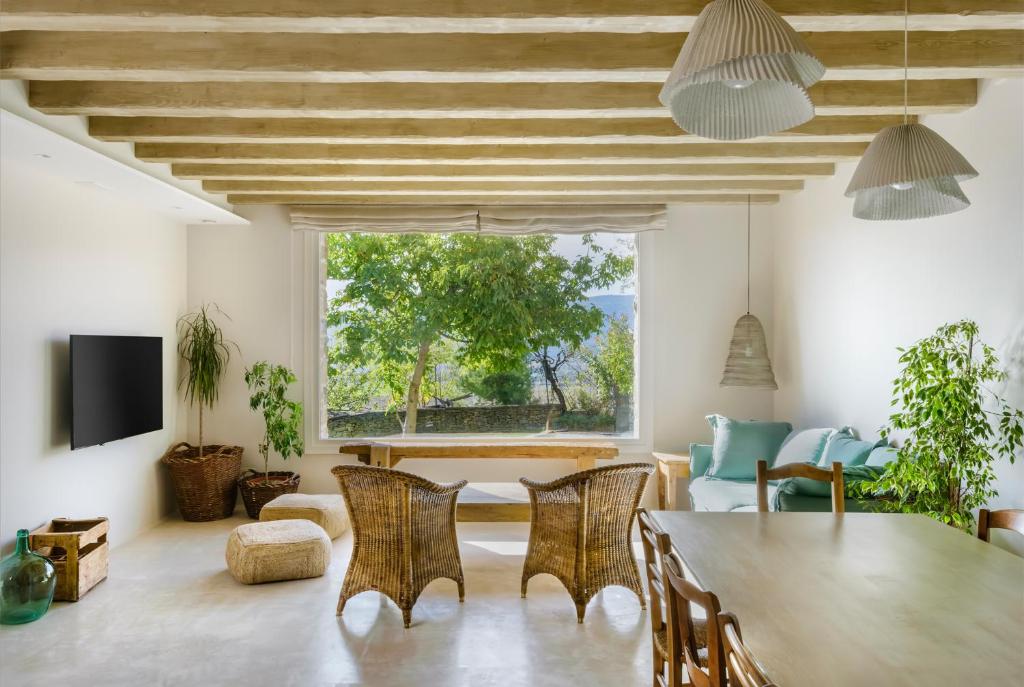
[(1006, 519), (807, 471), (681, 594), (656, 545), (743, 668)]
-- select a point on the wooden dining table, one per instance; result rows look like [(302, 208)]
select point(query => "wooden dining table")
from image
[(861, 599)]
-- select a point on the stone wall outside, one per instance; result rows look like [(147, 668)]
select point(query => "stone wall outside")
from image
[(458, 420)]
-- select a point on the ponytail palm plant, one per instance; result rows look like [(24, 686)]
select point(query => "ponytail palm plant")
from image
[(206, 354)]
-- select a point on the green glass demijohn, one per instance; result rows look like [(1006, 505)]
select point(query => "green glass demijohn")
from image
[(27, 583)]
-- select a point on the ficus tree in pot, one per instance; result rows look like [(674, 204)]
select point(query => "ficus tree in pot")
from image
[(282, 419), (957, 428)]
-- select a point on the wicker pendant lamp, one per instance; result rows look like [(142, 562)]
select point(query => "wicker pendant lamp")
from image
[(909, 171), (742, 72), (748, 364)]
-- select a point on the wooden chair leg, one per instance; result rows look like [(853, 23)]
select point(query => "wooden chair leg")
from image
[(462, 591), (407, 616), (581, 610), (522, 588)]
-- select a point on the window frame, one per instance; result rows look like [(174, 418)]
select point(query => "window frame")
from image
[(311, 280)]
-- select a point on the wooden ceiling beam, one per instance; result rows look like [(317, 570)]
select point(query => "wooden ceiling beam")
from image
[(450, 131), (502, 58), (525, 188), (319, 153), (495, 16), (432, 101), (465, 173), (370, 199)]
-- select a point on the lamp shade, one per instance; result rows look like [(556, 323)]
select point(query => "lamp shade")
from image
[(748, 364), (742, 72), (909, 172)]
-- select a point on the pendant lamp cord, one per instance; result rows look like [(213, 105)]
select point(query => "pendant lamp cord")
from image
[(906, 50), (748, 253)]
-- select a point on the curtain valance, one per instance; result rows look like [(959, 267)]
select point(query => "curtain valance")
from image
[(508, 220)]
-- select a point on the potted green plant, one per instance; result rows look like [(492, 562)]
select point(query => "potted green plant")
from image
[(957, 428), (204, 476), (282, 419)]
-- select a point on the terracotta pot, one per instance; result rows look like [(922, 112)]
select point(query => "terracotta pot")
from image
[(258, 489)]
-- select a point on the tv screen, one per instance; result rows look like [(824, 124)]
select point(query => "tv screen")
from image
[(116, 387)]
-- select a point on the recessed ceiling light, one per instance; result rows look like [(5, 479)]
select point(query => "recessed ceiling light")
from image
[(45, 156), (209, 221)]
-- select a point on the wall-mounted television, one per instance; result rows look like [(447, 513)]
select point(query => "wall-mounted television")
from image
[(116, 387)]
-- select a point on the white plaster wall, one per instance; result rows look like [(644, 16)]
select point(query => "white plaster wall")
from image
[(78, 259), (697, 291), (848, 292)]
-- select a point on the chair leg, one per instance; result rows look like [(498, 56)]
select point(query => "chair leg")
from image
[(341, 602), (522, 588), (581, 610), (407, 616), (462, 591)]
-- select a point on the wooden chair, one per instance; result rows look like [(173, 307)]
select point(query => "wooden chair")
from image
[(580, 531), (805, 470), (743, 668), (705, 665), (403, 534), (667, 653), (1007, 519)]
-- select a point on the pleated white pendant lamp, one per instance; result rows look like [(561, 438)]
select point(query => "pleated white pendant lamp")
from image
[(742, 72), (909, 171), (747, 364)]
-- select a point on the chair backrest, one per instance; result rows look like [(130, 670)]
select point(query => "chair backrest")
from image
[(681, 594), (657, 545), (743, 668), (805, 470), (383, 503), (1006, 519)]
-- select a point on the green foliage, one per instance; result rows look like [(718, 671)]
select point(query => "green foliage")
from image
[(507, 386), (584, 421), (495, 298), (611, 362), (957, 428), (282, 418), (205, 352)]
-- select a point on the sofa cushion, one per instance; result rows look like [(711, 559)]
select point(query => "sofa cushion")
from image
[(720, 495), (804, 446), (739, 444), (700, 459), (881, 456), (846, 449), (802, 494)]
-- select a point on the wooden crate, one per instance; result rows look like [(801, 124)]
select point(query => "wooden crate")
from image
[(79, 551)]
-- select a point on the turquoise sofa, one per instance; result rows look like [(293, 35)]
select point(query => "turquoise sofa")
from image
[(737, 492)]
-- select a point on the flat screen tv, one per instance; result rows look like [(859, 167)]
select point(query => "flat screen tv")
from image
[(116, 387)]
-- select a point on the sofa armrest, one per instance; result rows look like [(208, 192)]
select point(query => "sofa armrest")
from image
[(700, 460)]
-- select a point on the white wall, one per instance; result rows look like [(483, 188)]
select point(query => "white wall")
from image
[(78, 259), (848, 292), (696, 274)]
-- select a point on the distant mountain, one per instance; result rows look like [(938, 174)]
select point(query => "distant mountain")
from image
[(616, 306)]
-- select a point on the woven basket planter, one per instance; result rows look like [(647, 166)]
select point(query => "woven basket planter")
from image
[(257, 493), (204, 487)]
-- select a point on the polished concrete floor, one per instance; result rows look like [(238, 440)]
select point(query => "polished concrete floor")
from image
[(170, 614)]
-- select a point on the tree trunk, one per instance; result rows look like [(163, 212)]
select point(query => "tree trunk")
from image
[(552, 377), (412, 401), (200, 430)]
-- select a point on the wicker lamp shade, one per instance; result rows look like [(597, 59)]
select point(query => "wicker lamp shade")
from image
[(748, 364), (909, 172), (742, 72)]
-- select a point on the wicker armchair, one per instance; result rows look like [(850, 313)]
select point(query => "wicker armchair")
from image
[(580, 531), (403, 529)]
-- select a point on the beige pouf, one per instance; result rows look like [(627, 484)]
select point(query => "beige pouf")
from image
[(279, 550), (326, 510)]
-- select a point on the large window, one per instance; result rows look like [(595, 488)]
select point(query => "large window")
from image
[(464, 333)]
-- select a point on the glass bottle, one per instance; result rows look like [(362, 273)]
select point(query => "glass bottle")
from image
[(27, 583)]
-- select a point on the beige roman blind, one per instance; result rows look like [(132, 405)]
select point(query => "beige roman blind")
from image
[(507, 220)]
